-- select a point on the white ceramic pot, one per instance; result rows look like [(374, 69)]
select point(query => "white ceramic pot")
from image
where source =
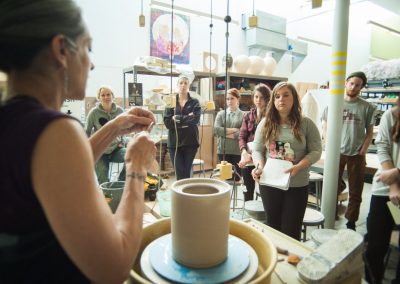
[(200, 221), (241, 63), (269, 65), (256, 65)]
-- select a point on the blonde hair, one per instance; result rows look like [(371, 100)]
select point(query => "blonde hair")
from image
[(102, 88)]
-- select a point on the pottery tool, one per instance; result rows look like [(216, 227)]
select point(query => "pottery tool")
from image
[(150, 127)]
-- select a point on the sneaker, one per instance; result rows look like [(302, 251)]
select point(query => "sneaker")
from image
[(351, 225)]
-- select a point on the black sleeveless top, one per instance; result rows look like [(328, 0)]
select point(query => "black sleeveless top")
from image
[(29, 251)]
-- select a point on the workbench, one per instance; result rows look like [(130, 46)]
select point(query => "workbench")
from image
[(284, 272)]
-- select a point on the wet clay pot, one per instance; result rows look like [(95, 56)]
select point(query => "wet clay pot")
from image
[(200, 221)]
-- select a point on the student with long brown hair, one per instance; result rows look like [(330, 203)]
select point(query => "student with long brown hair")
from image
[(296, 138), (261, 96)]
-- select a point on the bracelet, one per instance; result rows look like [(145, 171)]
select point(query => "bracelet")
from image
[(135, 175)]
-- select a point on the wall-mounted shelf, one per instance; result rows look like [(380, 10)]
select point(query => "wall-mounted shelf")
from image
[(245, 83), (136, 70), (383, 93)]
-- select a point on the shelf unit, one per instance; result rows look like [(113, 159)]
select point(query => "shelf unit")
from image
[(206, 121), (383, 93), (136, 70), (241, 81)]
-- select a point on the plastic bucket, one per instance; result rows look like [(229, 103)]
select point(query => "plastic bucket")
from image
[(164, 202), (112, 192)]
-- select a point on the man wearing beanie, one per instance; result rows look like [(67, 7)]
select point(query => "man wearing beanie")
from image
[(357, 131)]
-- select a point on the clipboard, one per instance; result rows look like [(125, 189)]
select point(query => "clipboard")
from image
[(273, 174)]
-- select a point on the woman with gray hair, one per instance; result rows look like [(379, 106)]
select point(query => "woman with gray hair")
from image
[(56, 226)]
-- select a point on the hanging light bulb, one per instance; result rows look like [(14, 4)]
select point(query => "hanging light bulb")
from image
[(316, 3), (142, 19), (253, 19)]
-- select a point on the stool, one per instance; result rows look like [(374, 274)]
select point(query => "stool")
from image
[(343, 196), (317, 180), (255, 209), (200, 163), (234, 194), (312, 217)]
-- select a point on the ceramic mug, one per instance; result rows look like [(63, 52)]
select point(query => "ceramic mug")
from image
[(200, 221)]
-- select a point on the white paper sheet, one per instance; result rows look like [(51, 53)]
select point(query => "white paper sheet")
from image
[(273, 174)]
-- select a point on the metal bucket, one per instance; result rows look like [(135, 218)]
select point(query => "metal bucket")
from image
[(112, 192)]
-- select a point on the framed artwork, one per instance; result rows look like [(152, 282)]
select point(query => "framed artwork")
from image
[(160, 36), (135, 94)]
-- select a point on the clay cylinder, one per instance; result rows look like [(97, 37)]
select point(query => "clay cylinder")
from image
[(200, 221)]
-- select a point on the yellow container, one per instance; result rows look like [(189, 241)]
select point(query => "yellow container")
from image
[(266, 251)]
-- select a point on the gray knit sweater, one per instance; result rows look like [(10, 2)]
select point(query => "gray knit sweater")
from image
[(310, 147)]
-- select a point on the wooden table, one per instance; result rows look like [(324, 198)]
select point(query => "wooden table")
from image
[(371, 159), (284, 271)]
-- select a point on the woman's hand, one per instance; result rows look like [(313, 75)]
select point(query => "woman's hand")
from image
[(293, 170), (140, 154), (256, 173), (245, 159), (394, 193), (134, 120), (232, 130), (389, 176)]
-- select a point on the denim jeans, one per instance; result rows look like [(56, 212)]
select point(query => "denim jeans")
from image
[(103, 165)]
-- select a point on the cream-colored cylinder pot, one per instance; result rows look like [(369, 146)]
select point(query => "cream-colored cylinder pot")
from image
[(200, 221)]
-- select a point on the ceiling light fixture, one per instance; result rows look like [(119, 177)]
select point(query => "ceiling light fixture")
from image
[(253, 19), (142, 19)]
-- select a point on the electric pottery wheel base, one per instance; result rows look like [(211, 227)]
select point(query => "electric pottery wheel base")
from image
[(239, 267), (259, 243)]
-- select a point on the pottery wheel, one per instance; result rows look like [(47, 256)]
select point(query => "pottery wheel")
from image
[(158, 264)]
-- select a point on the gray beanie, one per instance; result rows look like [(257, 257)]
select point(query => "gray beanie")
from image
[(360, 75)]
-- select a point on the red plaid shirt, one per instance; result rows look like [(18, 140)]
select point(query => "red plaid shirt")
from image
[(248, 128)]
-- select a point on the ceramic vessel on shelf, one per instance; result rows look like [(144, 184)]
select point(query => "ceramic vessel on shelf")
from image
[(241, 63), (200, 221), (227, 61), (256, 65), (269, 65)]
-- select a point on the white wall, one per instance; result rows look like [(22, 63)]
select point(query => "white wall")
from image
[(118, 40)]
